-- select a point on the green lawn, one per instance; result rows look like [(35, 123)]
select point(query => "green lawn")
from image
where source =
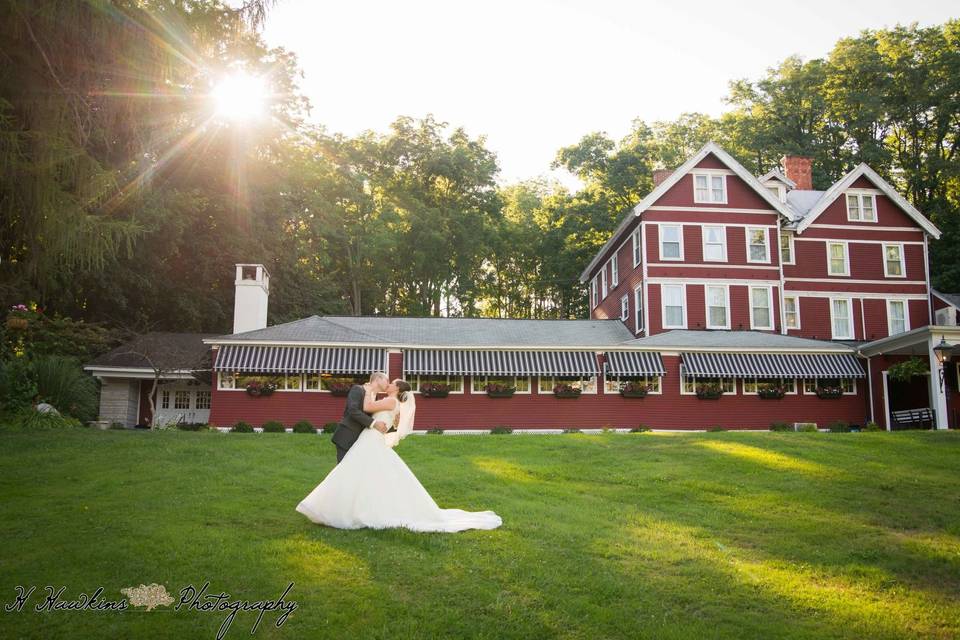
[(716, 535)]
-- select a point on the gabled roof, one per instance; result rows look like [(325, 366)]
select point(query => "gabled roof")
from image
[(952, 299), (801, 201), (674, 178), (407, 332), (843, 184), (774, 174), (761, 341), (177, 351)]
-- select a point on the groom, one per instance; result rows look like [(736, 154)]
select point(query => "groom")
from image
[(354, 420)]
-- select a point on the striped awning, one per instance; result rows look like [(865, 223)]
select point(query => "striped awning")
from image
[(276, 359), (500, 363), (634, 363), (772, 365)]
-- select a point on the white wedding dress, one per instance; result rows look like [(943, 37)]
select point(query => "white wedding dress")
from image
[(373, 487)]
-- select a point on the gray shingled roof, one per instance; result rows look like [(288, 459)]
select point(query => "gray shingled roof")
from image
[(177, 350), (802, 201), (754, 340), (441, 332)]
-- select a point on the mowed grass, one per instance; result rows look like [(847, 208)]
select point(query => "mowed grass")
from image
[(709, 535)]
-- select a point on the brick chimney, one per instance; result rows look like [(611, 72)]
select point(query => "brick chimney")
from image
[(800, 170), (659, 175)]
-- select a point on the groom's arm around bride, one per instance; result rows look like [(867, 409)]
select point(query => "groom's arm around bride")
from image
[(353, 422)]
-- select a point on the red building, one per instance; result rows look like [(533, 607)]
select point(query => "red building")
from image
[(723, 298)]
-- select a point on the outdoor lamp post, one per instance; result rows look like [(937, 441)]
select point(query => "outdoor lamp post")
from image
[(942, 352)]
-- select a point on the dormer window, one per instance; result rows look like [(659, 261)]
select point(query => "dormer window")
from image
[(710, 187), (861, 207)]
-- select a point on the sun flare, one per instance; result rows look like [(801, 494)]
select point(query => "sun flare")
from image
[(240, 97)]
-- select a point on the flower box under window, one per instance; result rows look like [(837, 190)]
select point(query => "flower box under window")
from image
[(339, 388), (634, 390), (566, 391), (771, 393), (829, 393), (498, 390), (709, 391), (434, 390), (260, 389)]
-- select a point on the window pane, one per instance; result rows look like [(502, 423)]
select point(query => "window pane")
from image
[(717, 189), (670, 234), (785, 253), (673, 295), (853, 207), (866, 204), (674, 316)]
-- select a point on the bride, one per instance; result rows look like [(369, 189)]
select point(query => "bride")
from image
[(373, 487)]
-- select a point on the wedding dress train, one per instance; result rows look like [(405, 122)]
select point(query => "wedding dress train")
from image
[(373, 487)]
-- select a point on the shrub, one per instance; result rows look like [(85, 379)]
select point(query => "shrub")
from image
[(29, 419), (572, 431), (330, 427), (838, 427), (640, 429), (273, 427), (501, 430), (18, 384), (304, 426), (781, 426), (242, 427), (436, 430), (62, 382), (807, 427), (715, 429), (873, 426), (192, 426)]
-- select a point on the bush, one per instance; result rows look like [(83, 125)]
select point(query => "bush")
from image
[(781, 426), (30, 419), (273, 427), (873, 426), (304, 426), (500, 430), (838, 427), (330, 427), (436, 430), (640, 429), (807, 427), (190, 426), (62, 382), (18, 384), (716, 429), (242, 427), (572, 431)]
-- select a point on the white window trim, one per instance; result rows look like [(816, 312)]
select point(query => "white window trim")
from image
[(703, 241), (846, 258), (766, 241), (614, 272), (617, 378), (706, 304), (793, 248), (769, 290), (906, 314), (549, 392), (663, 306), (636, 246), (303, 385), (595, 291), (853, 330), (660, 228), (861, 195), (603, 283), (854, 392), (796, 385), (638, 308), (418, 376), (903, 260), (709, 175), (806, 392), (796, 306), (694, 392), (278, 390), (517, 392), (625, 307)]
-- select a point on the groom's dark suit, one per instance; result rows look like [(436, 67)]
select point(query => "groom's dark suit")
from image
[(353, 422)]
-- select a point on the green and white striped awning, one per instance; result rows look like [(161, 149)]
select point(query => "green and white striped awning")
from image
[(283, 359), (499, 363), (772, 365)]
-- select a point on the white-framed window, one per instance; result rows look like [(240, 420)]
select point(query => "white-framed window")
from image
[(181, 399), (898, 319), (849, 385), (710, 187), (638, 308), (545, 384), (614, 272), (714, 243), (671, 241), (861, 207), (624, 307), (417, 381), (791, 312), (595, 290), (165, 399), (478, 384), (754, 385), (321, 382), (292, 382), (841, 318), (893, 266), (202, 400), (786, 247), (838, 259), (225, 381), (761, 308), (241, 380), (603, 283), (688, 384), (718, 306), (758, 244), (674, 302), (612, 384), (635, 239)]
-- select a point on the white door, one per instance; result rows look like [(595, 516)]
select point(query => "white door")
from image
[(182, 403)]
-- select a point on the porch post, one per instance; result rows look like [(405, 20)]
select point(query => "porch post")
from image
[(938, 396)]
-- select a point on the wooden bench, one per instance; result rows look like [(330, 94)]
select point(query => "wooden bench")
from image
[(913, 419)]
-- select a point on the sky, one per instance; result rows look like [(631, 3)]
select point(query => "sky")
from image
[(532, 76)]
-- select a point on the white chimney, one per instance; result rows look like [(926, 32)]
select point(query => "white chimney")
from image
[(250, 300)]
